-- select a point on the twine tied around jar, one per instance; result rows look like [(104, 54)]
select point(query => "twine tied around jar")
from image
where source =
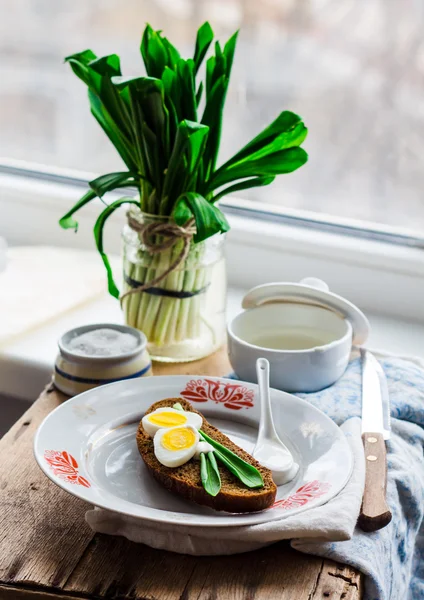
[(172, 234)]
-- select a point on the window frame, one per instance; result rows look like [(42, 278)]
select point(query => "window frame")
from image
[(378, 268)]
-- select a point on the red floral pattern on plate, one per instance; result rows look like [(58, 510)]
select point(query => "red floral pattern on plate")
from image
[(231, 395), (65, 467), (309, 491)]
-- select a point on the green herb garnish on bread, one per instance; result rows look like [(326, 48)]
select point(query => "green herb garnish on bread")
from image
[(227, 478)]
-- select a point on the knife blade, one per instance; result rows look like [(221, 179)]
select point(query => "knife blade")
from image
[(375, 513), (375, 396)]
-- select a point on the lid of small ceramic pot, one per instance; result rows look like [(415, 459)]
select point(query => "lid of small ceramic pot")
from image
[(316, 293)]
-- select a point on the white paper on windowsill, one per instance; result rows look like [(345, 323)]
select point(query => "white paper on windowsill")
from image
[(40, 283)]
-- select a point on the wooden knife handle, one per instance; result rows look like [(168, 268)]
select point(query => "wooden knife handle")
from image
[(375, 514)]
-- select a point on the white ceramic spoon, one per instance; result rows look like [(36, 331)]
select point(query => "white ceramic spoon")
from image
[(270, 451)]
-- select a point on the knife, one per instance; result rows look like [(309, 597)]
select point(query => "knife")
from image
[(375, 514)]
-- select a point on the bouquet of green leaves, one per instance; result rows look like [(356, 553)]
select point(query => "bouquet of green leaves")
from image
[(166, 127)]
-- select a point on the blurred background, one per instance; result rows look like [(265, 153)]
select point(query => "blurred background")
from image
[(353, 69)]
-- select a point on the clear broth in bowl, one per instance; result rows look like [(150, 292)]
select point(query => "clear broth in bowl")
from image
[(291, 338)]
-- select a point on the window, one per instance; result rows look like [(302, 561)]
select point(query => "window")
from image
[(354, 70)]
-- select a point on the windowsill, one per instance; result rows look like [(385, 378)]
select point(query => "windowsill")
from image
[(378, 276), (26, 364), (385, 280)]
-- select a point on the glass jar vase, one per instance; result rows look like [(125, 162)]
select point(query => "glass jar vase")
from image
[(183, 314)]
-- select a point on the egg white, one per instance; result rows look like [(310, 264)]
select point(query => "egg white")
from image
[(174, 458), (151, 428)]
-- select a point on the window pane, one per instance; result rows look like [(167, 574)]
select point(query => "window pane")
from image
[(354, 70)]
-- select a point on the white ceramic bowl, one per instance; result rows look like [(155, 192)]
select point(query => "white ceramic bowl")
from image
[(292, 370)]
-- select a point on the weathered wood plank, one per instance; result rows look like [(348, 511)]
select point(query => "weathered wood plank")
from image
[(115, 567), (273, 572), (47, 550), (39, 539), (11, 592), (338, 582), (276, 571)]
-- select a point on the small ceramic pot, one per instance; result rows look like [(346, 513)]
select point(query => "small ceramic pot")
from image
[(75, 373), (304, 331)]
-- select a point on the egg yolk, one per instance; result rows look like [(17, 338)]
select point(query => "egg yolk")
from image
[(178, 439), (167, 419)]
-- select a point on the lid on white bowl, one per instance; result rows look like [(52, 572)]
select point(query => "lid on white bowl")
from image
[(314, 292)]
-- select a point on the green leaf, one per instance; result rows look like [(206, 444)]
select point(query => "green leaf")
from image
[(218, 70), (99, 186), (220, 63), (84, 57), (210, 70), (116, 104), (196, 135), (148, 93), (157, 52), (169, 80), (229, 51), (277, 163), (79, 62), (154, 53), (107, 106), (178, 406), (216, 67), (151, 125), (98, 74), (98, 236), (173, 54), (124, 148), (212, 117), (111, 181), (199, 93), (190, 142), (208, 218), (247, 473), (287, 131), (172, 92), (203, 41), (209, 474), (187, 85), (244, 185), (67, 222), (144, 46), (106, 65)]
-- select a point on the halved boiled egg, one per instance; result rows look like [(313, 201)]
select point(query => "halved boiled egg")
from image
[(163, 418), (175, 446)]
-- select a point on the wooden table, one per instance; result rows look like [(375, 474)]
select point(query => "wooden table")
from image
[(48, 551)]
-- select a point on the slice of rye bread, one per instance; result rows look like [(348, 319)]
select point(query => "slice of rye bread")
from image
[(185, 480)]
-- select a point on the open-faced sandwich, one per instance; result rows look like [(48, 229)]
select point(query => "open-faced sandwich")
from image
[(192, 458)]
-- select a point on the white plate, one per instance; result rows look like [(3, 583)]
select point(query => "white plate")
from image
[(87, 447)]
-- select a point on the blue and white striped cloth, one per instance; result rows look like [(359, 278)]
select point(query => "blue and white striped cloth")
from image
[(392, 559)]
